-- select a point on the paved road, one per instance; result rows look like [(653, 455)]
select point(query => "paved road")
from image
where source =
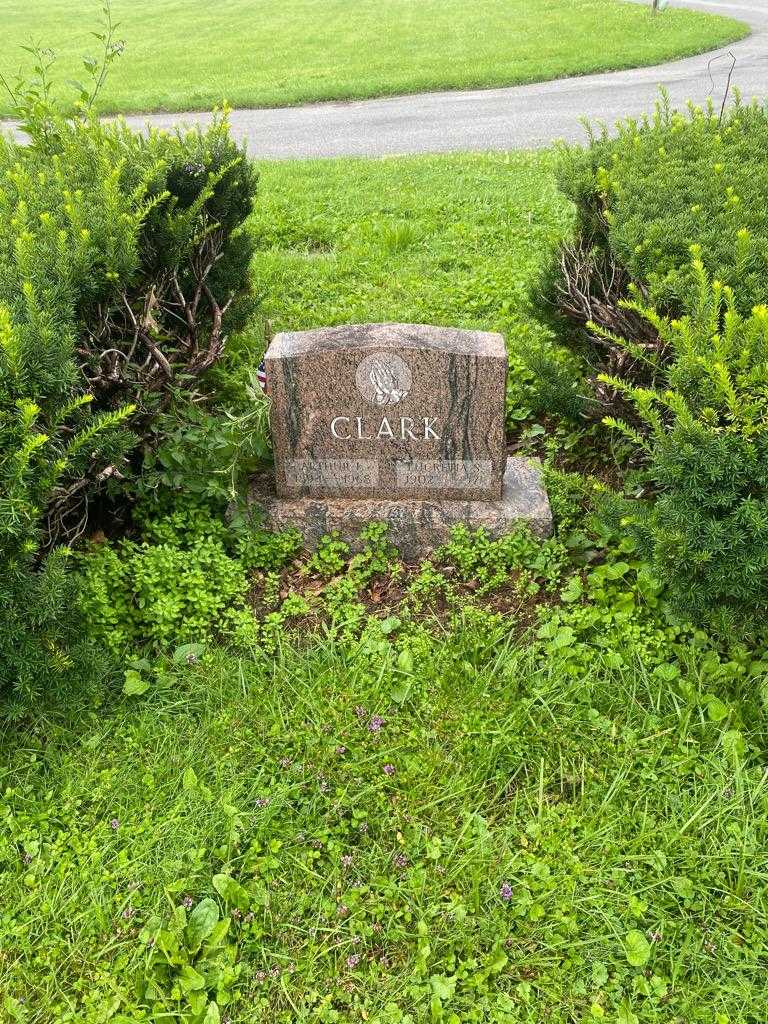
[(491, 119)]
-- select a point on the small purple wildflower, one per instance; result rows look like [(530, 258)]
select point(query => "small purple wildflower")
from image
[(262, 801), (364, 827), (128, 913), (26, 858), (343, 910), (361, 712), (114, 823), (401, 861), (286, 762), (341, 749), (506, 892), (261, 975), (237, 913), (346, 860), (375, 724), (274, 972), (187, 903), (389, 769), (353, 960)]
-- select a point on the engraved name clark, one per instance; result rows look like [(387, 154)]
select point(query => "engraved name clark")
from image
[(348, 428)]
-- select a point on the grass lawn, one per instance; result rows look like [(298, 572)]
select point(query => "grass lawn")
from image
[(404, 816), (191, 54), (454, 240), (546, 847)]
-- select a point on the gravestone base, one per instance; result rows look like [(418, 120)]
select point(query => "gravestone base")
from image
[(416, 525)]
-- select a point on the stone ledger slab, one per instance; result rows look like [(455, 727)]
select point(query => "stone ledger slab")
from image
[(386, 411), (416, 525)]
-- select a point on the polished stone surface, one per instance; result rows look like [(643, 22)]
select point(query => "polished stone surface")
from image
[(388, 411)]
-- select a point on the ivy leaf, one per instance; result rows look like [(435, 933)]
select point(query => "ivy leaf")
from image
[(637, 948)]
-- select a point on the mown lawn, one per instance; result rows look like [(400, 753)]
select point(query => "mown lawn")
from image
[(455, 240), (191, 54)]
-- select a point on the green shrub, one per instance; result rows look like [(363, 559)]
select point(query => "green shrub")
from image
[(672, 181), (50, 444), (123, 267), (702, 430), (135, 245), (158, 268), (642, 199)]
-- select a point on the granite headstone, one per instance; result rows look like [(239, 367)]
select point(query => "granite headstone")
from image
[(388, 410), (399, 423)]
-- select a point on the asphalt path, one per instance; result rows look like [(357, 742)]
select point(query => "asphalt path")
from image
[(518, 117)]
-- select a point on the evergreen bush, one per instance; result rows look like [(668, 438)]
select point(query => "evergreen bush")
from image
[(666, 183), (702, 432), (51, 446), (643, 198), (123, 266)]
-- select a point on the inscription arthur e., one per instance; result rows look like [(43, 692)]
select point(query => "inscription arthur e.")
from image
[(332, 473), (388, 410)]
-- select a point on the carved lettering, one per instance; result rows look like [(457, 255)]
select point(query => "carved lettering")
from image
[(406, 432), (340, 419), (385, 430), (427, 430)]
